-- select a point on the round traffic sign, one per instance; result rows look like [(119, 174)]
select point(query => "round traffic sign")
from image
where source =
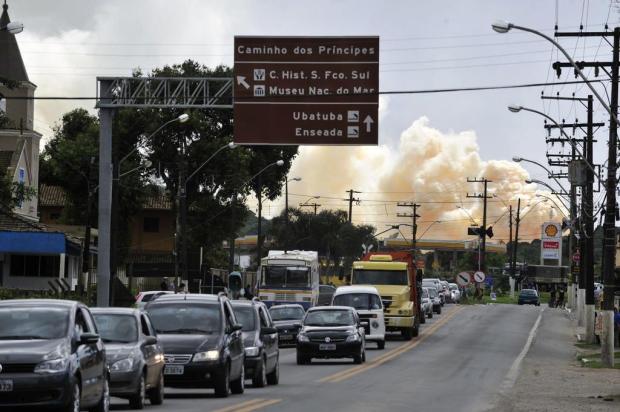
[(463, 278), (479, 277)]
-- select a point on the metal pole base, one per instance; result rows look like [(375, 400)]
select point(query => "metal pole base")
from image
[(581, 306), (512, 287), (589, 318), (607, 339)]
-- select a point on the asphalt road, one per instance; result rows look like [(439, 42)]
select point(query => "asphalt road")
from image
[(461, 361)]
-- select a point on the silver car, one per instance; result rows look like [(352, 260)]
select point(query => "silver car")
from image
[(427, 303), (456, 292)]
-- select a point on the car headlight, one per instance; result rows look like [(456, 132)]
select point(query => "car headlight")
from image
[(54, 362), (123, 365), (353, 337), (252, 351), (210, 355), (302, 337)]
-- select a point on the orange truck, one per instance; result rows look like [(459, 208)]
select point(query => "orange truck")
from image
[(400, 285)]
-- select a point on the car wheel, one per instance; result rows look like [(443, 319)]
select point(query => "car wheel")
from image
[(364, 356), (381, 344), (357, 359), (104, 403), (222, 382), (259, 380), (238, 386), (423, 317), (138, 400), (415, 331), (156, 395), (74, 400), (302, 360), (273, 378), (430, 314), (407, 333)]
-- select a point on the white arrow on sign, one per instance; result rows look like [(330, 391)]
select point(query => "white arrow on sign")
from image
[(241, 81), (479, 277), (463, 279), (368, 121)]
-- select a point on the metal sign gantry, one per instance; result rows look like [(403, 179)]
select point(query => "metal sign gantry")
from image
[(142, 92)]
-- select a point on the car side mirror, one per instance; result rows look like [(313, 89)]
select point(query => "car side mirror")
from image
[(88, 338), (150, 340), (235, 327), (268, 331)]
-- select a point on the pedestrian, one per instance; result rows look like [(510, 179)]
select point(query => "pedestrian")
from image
[(164, 284), (552, 298), (248, 293), (561, 299)]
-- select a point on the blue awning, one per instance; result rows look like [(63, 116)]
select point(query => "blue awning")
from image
[(36, 243)]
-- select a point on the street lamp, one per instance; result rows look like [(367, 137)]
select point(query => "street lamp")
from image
[(521, 159), (516, 109), (468, 214), (545, 184), (13, 27), (306, 204), (429, 226), (231, 257), (553, 201), (294, 179), (183, 201)]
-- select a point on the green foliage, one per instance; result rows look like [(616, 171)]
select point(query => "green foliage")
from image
[(328, 232), (13, 193)]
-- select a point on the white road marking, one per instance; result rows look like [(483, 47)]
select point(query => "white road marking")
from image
[(513, 372)]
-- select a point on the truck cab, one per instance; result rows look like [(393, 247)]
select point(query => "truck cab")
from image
[(393, 275)]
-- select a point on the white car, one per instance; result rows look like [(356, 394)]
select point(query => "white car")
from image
[(427, 304), (145, 297), (367, 302), (455, 291)]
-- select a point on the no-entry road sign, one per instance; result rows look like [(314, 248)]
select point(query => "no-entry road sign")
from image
[(306, 90), (463, 279), (479, 277)]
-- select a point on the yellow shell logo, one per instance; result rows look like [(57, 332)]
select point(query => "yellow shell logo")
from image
[(551, 230)]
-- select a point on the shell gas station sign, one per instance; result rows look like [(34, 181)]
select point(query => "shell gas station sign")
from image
[(551, 242)]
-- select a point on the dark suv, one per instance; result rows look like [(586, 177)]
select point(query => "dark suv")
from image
[(51, 356), (203, 345), (260, 338)]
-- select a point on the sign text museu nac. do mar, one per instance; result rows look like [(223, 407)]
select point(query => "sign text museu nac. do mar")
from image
[(306, 90)]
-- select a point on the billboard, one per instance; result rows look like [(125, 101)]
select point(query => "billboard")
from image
[(551, 241), (306, 90)]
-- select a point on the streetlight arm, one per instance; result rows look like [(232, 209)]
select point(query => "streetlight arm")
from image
[(554, 202), (277, 163), (205, 162), (548, 172), (572, 62), (427, 229), (176, 119)]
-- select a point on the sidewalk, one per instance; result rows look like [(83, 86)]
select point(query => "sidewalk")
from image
[(552, 379)]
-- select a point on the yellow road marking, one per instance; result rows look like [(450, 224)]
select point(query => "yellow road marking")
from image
[(348, 373), (259, 405), (246, 404)]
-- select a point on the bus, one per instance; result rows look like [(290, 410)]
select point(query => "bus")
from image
[(289, 277)]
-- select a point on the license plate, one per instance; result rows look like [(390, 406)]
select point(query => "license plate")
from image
[(6, 385), (327, 346), (286, 337), (174, 370)]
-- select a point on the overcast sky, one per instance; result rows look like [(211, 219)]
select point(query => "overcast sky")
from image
[(424, 45)]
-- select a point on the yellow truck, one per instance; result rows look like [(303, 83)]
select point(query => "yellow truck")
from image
[(394, 276)]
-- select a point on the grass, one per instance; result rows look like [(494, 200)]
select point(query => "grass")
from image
[(593, 360)]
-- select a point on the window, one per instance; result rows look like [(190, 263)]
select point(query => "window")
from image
[(230, 317), (151, 224), (80, 324), (35, 266), (2, 104), (117, 328), (264, 318)]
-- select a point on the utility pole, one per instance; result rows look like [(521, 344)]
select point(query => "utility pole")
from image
[(233, 235), (351, 200), (609, 226), (585, 270), (516, 242), (483, 231), (414, 224), (510, 268), (313, 205)]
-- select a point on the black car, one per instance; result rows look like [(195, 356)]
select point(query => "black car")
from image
[(287, 319), (326, 292), (203, 345), (529, 297), (260, 338), (51, 357), (331, 332), (134, 356)]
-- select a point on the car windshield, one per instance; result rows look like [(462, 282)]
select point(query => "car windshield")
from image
[(330, 317), (285, 276), (21, 323), (286, 313), (425, 293), (358, 301), (379, 277), (531, 292), (186, 318), (116, 328), (246, 316), (432, 292)]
